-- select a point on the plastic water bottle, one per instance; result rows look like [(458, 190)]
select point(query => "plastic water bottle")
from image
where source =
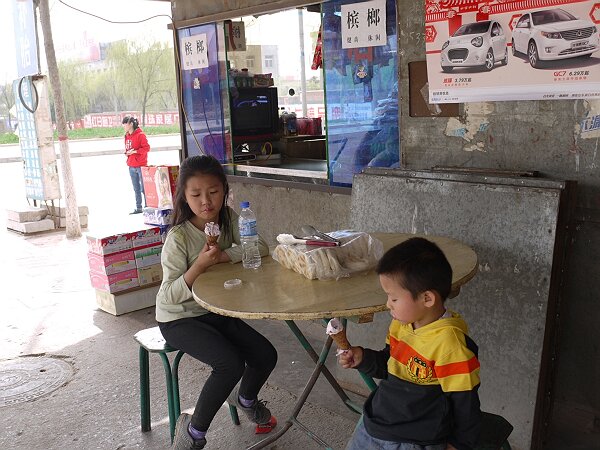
[(249, 237)]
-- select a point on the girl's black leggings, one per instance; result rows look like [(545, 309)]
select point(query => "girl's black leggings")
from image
[(232, 348)]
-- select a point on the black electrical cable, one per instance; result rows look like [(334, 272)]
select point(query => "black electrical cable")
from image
[(36, 103), (116, 21)]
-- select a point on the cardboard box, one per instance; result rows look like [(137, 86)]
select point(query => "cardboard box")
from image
[(111, 264), (115, 282), (150, 274), (125, 302), (105, 245), (144, 238), (148, 256), (158, 217), (159, 185)]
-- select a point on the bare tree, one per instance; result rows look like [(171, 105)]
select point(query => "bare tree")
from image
[(145, 72), (72, 216)]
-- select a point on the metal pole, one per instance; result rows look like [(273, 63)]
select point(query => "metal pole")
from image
[(302, 62)]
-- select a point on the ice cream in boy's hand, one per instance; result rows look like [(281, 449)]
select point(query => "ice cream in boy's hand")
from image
[(212, 232), (336, 330)]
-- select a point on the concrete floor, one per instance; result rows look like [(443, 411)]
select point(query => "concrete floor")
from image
[(49, 309)]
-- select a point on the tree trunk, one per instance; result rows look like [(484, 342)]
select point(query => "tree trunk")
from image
[(72, 215)]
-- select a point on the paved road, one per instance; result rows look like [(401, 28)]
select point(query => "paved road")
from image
[(91, 147), (102, 183)]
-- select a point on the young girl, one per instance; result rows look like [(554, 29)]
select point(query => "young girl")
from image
[(232, 348), (136, 150)]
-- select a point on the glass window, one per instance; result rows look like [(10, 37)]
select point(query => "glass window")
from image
[(269, 61), (361, 87), (202, 104)]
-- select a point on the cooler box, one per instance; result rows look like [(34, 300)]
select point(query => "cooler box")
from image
[(159, 185)]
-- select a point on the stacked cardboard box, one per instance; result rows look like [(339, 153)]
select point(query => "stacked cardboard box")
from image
[(122, 264), (159, 188), (159, 185)]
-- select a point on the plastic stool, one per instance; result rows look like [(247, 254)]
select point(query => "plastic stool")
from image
[(152, 341)]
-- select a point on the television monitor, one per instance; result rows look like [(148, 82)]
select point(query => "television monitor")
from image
[(254, 113)]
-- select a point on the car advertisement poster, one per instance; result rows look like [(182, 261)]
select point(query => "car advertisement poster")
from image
[(512, 50)]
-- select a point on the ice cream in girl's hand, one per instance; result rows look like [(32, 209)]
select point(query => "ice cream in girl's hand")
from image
[(336, 330), (212, 232)]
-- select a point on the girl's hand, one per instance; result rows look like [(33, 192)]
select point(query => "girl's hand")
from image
[(450, 447), (209, 256), (351, 357)]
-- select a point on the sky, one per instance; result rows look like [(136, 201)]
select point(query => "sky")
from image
[(69, 26)]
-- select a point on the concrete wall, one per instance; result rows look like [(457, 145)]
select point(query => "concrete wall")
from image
[(531, 135), (527, 135), (281, 209)]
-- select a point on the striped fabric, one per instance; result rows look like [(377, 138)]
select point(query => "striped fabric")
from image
[(436, 354)]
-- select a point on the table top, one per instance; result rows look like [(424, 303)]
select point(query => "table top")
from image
[(274, 292)]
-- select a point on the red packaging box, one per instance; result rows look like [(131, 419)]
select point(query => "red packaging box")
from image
[(159, 185), (106, 245), (309, 126), (146, 237), (111, 264), (116, 282)]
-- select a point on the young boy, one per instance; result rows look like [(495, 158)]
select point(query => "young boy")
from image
[(427, 398)]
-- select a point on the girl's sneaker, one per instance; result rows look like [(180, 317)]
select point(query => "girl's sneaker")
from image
[(257, 413), (183, 440)]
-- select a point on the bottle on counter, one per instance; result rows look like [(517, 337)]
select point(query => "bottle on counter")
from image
[(249, 237), (290, 124)]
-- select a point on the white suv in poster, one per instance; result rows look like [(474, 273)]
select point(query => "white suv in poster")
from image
[(553, 34), (478, 44)]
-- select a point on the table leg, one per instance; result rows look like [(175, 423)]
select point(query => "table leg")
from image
[(330, 378), (319, 368)]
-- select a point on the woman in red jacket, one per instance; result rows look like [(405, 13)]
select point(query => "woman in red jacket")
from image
[(136, 149)]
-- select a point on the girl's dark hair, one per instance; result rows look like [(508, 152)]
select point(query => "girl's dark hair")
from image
[(132, 120), (200, 165), (418, 265)]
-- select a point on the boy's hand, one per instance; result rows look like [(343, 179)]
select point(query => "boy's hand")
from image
[(351, 358), (450, 447)]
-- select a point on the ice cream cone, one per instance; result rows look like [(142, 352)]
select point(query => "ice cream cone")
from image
[(336, 330), (212, 232), (341, 340)]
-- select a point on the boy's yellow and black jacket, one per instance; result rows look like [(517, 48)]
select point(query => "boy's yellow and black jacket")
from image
[(428, 392)]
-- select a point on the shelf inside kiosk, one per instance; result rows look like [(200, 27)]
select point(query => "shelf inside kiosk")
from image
[(277, 115)]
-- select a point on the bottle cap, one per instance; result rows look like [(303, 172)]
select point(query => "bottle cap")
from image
[(245, 205), (230, 284)]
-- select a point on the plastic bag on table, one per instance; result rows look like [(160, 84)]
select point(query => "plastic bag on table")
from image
[(358, 252)]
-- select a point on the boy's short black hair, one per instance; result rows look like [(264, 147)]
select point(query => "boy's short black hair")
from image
[(418, 265)]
